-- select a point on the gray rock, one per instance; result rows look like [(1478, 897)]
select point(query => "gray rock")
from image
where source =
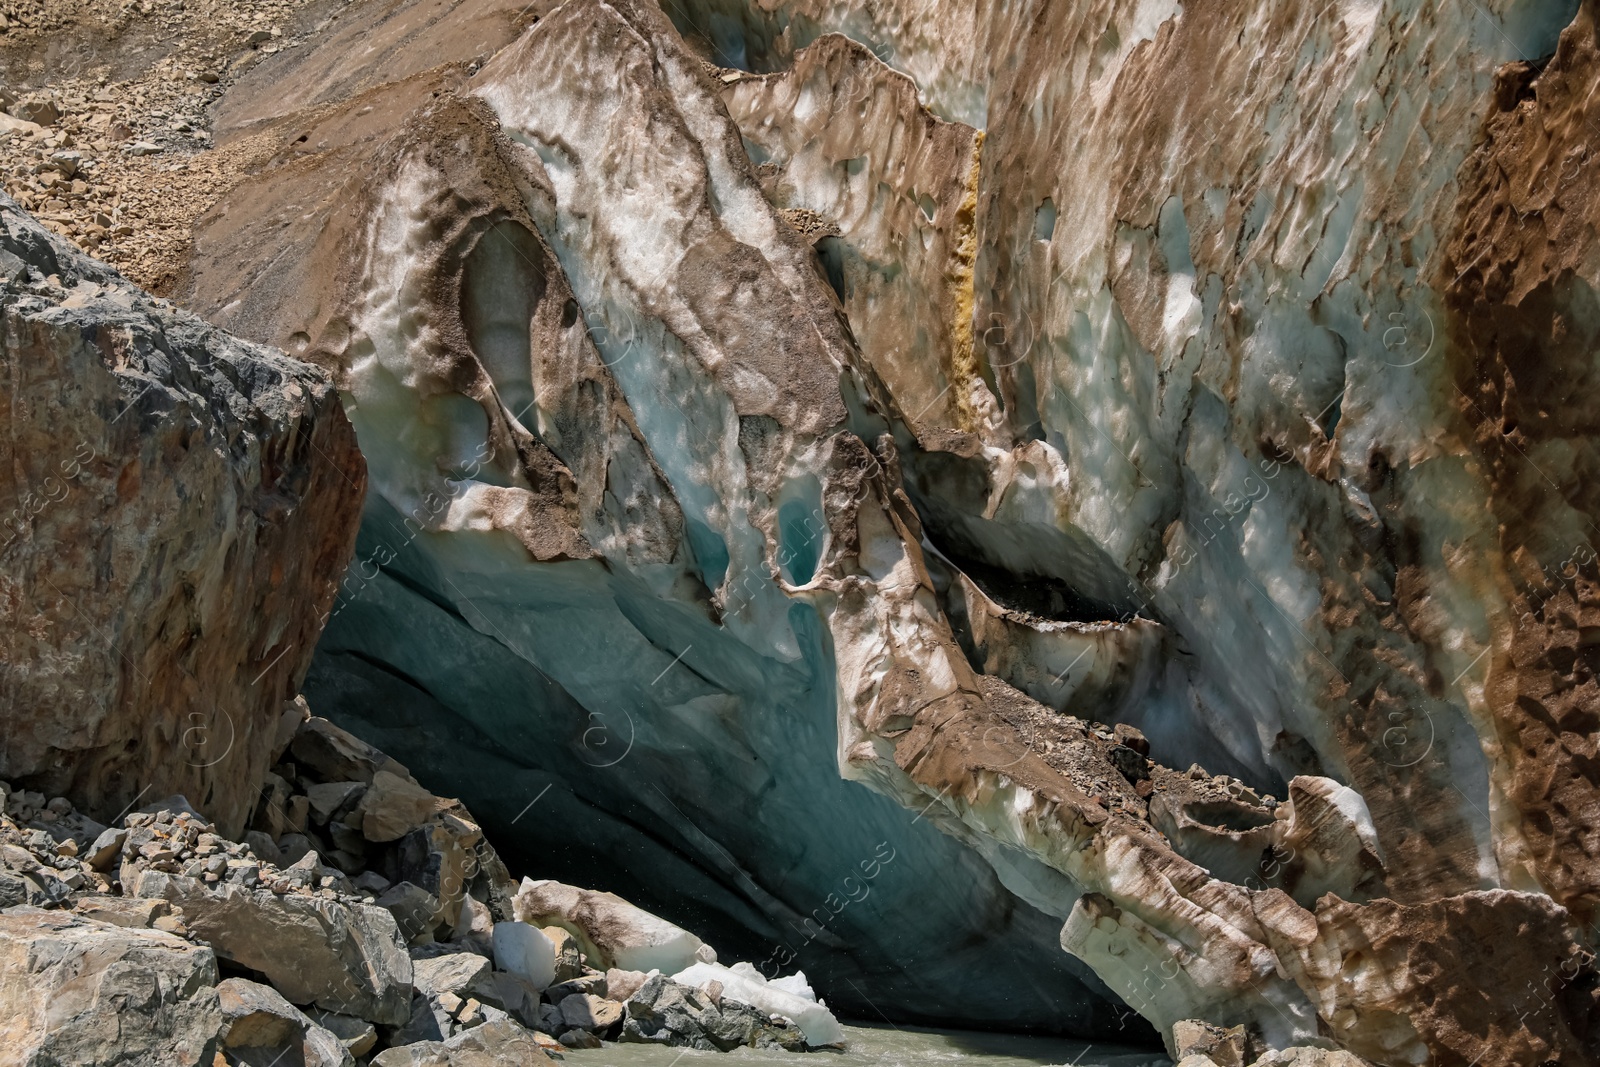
[(15, 889), (294, 715), (580, 1039), (329, 798), (89, 994), (336, 755), (292, 848), (415, 910), (393, 806), (67, 162), (358, 1036), (462, 973), (371, 882), (589, 1012), (440, 858), (262, 845), (347, 839), (429, 1020), (323, 1048), (734, 1025), (262, 1028), (494, 1043), (588, 983), (569, 955), (515, 995), (257, 1016), (129, 912), (347, 958), (662, 1012), (1129, 763), (37, 109), (103, 853), (789, 1037), (27, 882)]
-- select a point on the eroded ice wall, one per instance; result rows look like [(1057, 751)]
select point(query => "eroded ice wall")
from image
[(805, 450)]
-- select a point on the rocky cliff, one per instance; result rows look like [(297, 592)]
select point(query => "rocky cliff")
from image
[(1031, 510)]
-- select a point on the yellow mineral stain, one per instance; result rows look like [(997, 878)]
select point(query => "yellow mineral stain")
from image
[(963, 363)]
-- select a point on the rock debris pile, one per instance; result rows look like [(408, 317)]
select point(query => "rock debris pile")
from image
[(96, 146), (361, 919)]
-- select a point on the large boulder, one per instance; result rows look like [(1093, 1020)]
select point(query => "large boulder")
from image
[(180, 506), (342, 957), (262, 1029), (85, 993)]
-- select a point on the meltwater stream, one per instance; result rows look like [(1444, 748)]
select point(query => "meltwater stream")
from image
[(890, 1047)]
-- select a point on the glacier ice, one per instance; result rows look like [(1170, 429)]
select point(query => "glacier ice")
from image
[(855, 505)]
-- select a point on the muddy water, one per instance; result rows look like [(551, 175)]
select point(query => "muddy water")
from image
[(887, 1047)]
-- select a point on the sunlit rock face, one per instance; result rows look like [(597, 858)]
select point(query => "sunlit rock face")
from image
[(179, 506), (791, 452)]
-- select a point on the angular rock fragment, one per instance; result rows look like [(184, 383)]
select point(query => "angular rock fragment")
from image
[(621, 984), (569, 955), (358, 1036), (261, 1028), (327, 798), (441, 857), (494, 1043), (131, 912), (1223, 1046), (393, 806), (75, 991), (589, 1012), (415, 911), (347, 958), (102, 855), (257, 1015), (336, 755), (663, 1012), (462, 973), (579, 1038)]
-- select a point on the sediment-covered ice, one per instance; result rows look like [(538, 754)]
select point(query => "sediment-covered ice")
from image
[(932, 445)]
